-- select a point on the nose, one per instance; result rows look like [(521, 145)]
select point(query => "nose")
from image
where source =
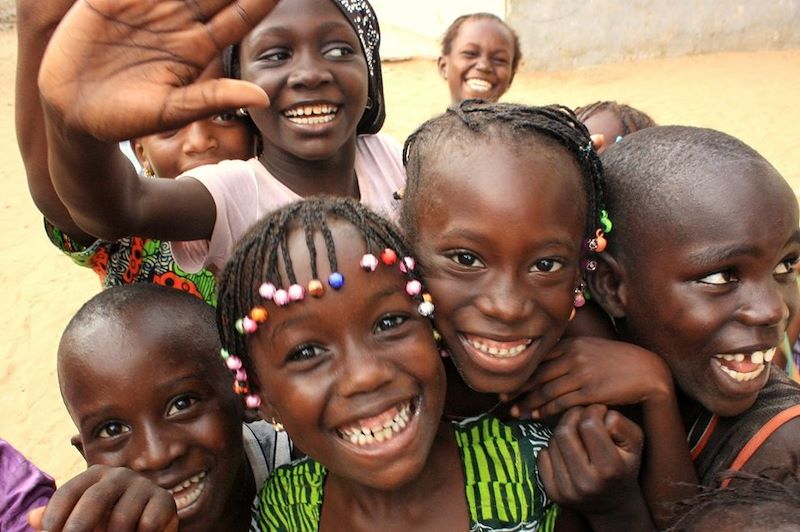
[(362, 370), (764, 304), (484, 63), (309, 71), (197, 137), (155, 449), (504, 301)]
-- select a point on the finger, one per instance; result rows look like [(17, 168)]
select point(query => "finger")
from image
[(35, 518), (623, 432), (554, 398), (563, 489), (234, 21), (64, 500), (159, 514), (547, 475), (143, 506), (602, 454)]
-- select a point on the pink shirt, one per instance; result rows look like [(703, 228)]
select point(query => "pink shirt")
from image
[(244, 192)]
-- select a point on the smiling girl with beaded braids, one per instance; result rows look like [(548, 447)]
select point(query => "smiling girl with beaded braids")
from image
[(324, 319)]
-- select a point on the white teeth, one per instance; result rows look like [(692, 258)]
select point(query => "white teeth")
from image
[(499, 352), (479, 85), (757, 357), (768, 354), (739, 376), (378, 433), (185, 500), (312, 114)]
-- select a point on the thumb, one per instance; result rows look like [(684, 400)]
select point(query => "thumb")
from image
[(206, 98), (35, 517), (625, 434)]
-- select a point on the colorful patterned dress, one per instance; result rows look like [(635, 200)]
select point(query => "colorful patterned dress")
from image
[(502, 486)]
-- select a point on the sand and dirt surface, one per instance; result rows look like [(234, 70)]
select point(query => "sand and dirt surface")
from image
[(750, 95)]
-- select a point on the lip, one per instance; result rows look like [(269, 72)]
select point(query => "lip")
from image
[(742, 372), (377, 446), (518, 351), (188, 491), (476, 84)]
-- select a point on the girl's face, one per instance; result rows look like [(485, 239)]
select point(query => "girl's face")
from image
[(169, 154), (479, 62), (713, 294), (353, 375), (157, 410), (499, 236), (308, 59)]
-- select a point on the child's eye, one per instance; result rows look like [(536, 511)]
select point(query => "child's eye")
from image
[(112, 429), (469, 53), (500, 60), (304, 352), (224, 117), (180, 404), (339, 51), (547, 265), (466, 258), (386, 323), (275, 55), (719, 278), (787, 265)]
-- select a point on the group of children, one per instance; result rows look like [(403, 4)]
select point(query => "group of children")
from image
[(533, 338)]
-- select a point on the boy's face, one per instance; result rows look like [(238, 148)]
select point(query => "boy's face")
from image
[(499, 237), (713, 292), (354, 375), (147, 400)]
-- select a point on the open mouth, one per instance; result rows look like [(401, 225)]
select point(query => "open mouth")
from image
[(478, 85), (496, 349), (311, 114), (188, 491), (743, 367), (380, 428)]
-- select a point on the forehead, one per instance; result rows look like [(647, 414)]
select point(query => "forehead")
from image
[(605, 122), (483, 31), (301, 15)]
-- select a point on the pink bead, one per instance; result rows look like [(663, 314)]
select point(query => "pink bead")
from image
[(267, 290), (579, 300), (252, 401), (241, 374), (369, 262), (234, 363), (281, 297), (407, 264), (296, 292), (248, 325), (413, 288)]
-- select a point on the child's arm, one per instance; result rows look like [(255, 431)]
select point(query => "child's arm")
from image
[(107, 498), (583, 371), (36, 22), (591, 465), (119, 69)]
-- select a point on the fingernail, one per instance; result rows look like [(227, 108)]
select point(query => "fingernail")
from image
[(514, 411), (535, 414), (503, 397)]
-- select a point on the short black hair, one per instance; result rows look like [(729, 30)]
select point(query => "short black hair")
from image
[(632, 119), (452, 32)]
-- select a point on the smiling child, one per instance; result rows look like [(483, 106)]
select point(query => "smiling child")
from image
[(141, 378), (324, 316), (480, 55), (312, 85)]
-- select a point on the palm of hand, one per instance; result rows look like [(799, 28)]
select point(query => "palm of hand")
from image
[(118, 69)]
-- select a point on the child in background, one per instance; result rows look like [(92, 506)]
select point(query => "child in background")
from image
[(322, 79), (323, 315), (701, 271), (141, 377), (129, 259), (503, 202), (23, 487), (480, 55), (609, 122)]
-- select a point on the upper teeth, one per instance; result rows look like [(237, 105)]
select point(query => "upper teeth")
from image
[(479, 85), (756, 357), (499, 351), (187, 483), (385, 431), (185, 500), (742, 377), (310, 110)]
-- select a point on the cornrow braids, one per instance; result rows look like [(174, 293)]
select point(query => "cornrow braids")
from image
[(516, 124), (631, 118), (260, 254)]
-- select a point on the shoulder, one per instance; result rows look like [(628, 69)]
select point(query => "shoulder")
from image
[(775, 447), (221, 173), (291, 497)]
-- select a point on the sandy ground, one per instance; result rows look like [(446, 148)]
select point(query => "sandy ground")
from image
[(751, 95)]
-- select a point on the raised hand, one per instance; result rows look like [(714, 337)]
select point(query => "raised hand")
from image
[(108, 498), (118, 69)]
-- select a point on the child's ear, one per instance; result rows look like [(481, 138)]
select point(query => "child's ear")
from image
[(607, 285), (77, 442), (442, 64), (138, 151), (599, 142)]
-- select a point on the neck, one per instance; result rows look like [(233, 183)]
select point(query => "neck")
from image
[(436, 493), (462, 401), (236, 515), (334, 176)]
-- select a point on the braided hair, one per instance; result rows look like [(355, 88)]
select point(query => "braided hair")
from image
[(262, 252), (518, 125), (631, 118)]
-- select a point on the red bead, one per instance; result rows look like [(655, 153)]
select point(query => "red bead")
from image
[(388, 257)]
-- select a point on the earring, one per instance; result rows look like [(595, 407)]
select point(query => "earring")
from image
[(277, 425), (241, 112), (369, 103), (580, 299), (148, 171)]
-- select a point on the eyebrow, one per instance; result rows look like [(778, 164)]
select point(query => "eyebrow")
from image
[(281, 31), (715, 255)]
